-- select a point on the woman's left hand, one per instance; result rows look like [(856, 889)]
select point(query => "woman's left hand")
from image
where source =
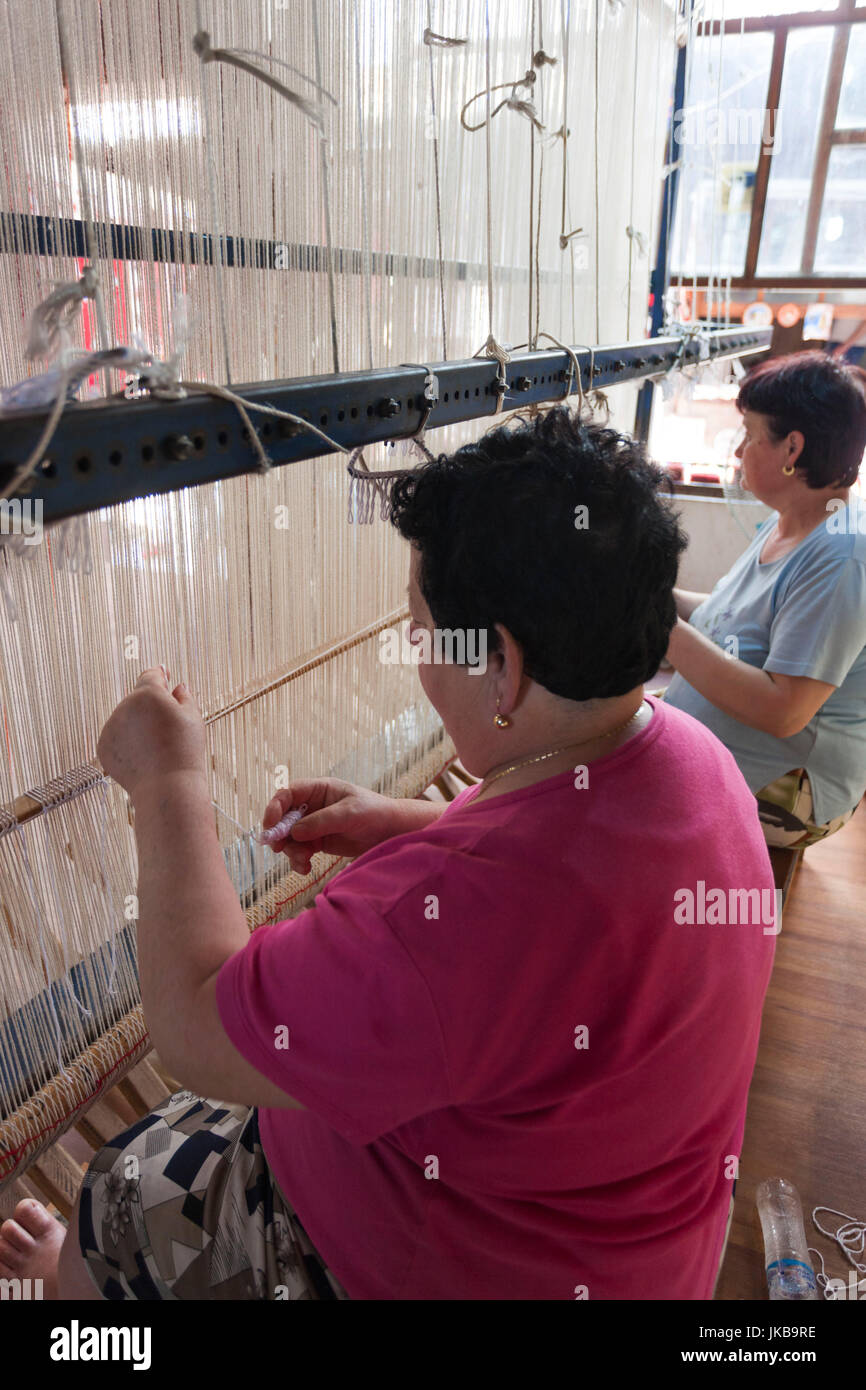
[(155, 731)]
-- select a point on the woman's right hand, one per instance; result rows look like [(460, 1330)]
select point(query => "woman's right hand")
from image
[(342, 819)]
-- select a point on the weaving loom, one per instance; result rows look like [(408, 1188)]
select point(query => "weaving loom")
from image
[(262, 239)]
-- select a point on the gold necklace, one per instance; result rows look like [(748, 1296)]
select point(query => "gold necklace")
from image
[(542, 757)]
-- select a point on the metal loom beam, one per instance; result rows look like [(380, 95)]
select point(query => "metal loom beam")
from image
[(111, 451)]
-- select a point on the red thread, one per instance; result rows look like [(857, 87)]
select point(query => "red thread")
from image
[(34, 1138)]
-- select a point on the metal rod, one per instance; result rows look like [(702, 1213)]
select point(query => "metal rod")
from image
[(105, 452)]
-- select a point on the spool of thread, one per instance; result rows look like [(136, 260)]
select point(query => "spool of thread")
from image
[(283, 828)]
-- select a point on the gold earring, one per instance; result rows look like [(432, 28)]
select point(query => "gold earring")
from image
[(788, 470), (500, 720)]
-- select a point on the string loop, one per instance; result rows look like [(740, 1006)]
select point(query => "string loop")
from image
[(366, 487), (513, 102), (441, 41), (850, 1236), (502, 356), (202, 46)]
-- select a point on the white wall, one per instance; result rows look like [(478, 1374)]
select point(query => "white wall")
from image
[(716, 538)]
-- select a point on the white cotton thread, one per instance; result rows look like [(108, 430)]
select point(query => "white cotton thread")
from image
[(441, 40), (281, 62), (574, 369), (596, 185), (283, 828), (821, 1276), (245, 830), (434, 116), (102, 829), (524, 106), (635, 238), (638, 239), (326, 201), (365, 209), (71, 544), (366, 487), (40, 936), (502, 357), (217, 239), (81, 167), (51, 319), (234, 57), (850, 1236)]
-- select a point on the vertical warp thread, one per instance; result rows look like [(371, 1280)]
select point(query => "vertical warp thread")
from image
[(83, 189), (217, 236), (326, 199), (531, 262), (434, 116), (103, 822), (40, 936), (488, 181), (365, 215), (597, 191), (631, 191)]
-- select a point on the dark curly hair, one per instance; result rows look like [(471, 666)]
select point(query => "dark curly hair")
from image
[(822, 398), (496, 525)]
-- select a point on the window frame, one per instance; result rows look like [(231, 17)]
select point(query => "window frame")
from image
[(829, 138)]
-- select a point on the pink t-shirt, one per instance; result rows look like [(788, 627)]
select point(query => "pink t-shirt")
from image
[(524, 1070)]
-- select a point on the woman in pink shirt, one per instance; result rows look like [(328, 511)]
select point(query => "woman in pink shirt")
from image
[(507, 1052)]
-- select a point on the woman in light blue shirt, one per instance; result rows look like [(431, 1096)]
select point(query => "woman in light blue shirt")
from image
[(774, 659)]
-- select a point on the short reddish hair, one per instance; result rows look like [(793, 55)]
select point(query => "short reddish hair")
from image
[(821, 397)]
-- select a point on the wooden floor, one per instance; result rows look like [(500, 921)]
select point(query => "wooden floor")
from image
[(807, 1109)]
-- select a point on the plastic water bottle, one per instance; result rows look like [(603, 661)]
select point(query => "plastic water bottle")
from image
[(789, 1273)]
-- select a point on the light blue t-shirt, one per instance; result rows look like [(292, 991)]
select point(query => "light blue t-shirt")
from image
[(801, 615)]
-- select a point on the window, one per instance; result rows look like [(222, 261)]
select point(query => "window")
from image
[(804, 86), (771, 146), (746, 9), (842, 229), (718, 137), (852, 98)]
